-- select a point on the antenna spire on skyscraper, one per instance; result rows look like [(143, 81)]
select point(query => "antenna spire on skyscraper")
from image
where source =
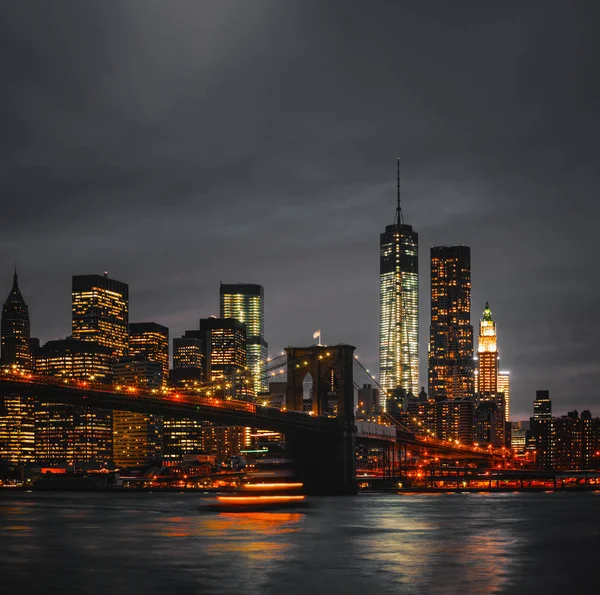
[(400, 218)]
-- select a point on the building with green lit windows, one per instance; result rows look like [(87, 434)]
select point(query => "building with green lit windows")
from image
[(246, 302)]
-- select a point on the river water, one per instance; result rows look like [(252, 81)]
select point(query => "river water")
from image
[(159, 543)]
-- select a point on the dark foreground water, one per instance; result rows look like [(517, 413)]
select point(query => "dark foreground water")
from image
[(104, 544)]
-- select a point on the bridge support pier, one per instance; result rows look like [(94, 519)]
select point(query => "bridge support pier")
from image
[(326, 464)]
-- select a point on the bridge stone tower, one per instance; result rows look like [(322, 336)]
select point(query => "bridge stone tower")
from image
[(320, 379)]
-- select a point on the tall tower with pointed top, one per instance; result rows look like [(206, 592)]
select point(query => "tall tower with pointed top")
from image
[(399, 305), (487, 353), (15, 330)]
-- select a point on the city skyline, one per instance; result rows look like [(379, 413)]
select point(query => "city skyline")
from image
[(292, 189)]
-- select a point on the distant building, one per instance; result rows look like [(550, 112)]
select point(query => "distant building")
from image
[(142, 374), (504, 388), (67, 433), (15, 331), (181, 437), (17, 429), (73, 435), (189, 352), (368, 400), (137, 439), (150, 341), (225, 352), (398, 306), (454, 420), (74, 359), (101, 312), (518, 436), (451, 368), (246, 302), (489, 422), (542, 406)]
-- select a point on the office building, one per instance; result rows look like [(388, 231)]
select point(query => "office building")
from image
[(137, 439), (542, 406), (504, 388), (450, 358), (245, 302), (189, 351), (72, 435), (17, 429), (150, 341), (225, 353), (15, 331), (101, 312), (398, 306), (181, 437), (143, 374), (67, 433), (518, 436), (73, 359), (543, 431), (454, 420)]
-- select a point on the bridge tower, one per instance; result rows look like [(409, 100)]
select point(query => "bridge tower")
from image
[(326, 462)]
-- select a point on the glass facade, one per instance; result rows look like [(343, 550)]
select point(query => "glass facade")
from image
[(399, 310), (450, 357), (101, 312), (245, 302)]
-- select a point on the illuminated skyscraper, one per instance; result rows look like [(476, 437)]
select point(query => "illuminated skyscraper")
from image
[(487, 354), (73, 359), (137, 438), (225, 349), (15, 330), (149, 341), (451, 334), (101, 312), (246, 302), (504, 388), (399, 306), (189, 351), (17, 436)]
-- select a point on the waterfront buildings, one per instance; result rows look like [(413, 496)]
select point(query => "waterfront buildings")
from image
[(450, 355), (100, 312), (149, 341), (73, 435), (15, 331), (17, 429), (398, 307), (245, 302), (137, 439)]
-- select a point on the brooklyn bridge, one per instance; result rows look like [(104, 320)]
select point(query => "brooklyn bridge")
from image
[(322, 440)]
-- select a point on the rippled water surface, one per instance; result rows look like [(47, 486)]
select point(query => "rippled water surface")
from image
[(133, 543)]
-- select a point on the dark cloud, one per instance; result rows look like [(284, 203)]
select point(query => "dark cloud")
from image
[(184, 144)]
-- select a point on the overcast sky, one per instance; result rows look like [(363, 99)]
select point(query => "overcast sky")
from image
[(180, 144)]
